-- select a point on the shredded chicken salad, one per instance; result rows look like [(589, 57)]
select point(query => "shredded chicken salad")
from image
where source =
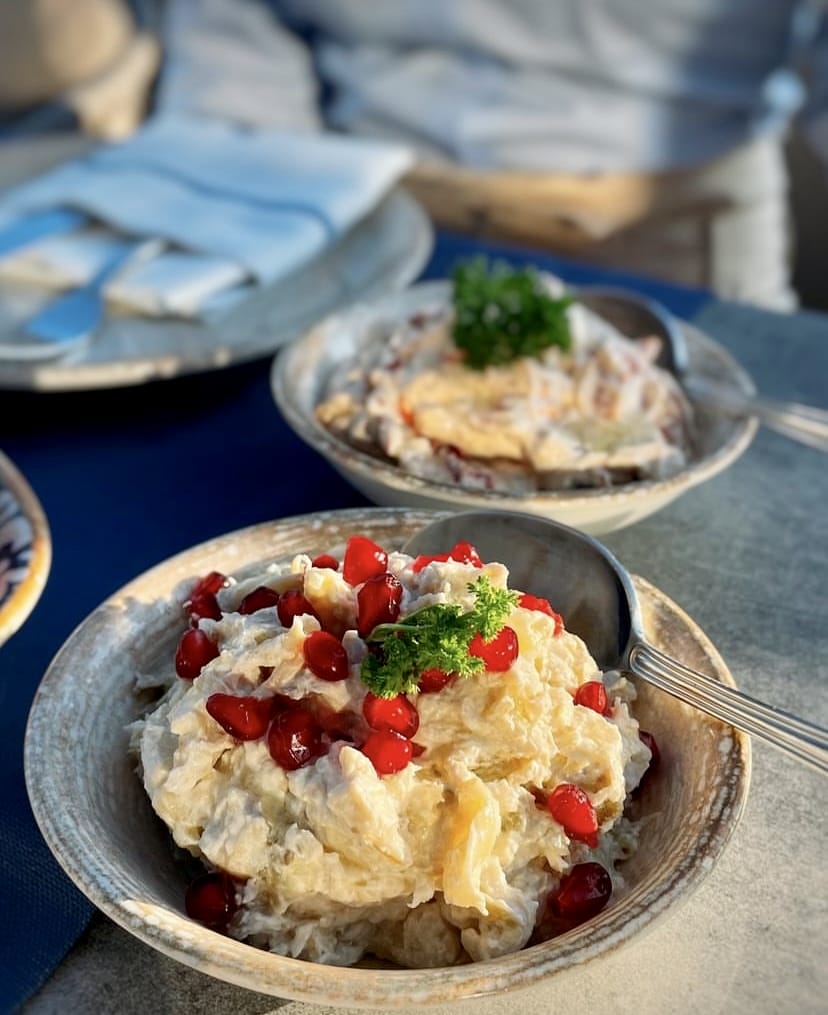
[(390, 756)]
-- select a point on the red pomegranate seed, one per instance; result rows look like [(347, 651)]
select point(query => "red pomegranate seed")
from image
[(416, 749), (389, 752), (593, 695), (293, 604), (395, 714), (378, 602), (259, 599), (336, 725), (211, 899), (326, 560), (434, 680), (572, 808), (204, 604), (530, 602), (363, 559), (295, 738), (465, 553), (244, 717), (423, 561), (324, 656), (650, 741), (193, 653), (499, 653), (582, 893), (209, 583), (462, 553)]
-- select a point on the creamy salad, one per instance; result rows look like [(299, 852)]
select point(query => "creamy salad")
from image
[(338, 816), (600, 413)]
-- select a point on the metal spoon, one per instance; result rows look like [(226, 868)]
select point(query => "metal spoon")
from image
[(597, 599), (637, 316), (74, 317)]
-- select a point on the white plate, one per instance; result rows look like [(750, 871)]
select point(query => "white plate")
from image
[(94, 814), (301, 370), (384, 252), (25, 548)]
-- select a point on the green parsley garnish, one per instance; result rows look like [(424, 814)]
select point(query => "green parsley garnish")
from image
[(502, 313), (435, 637)]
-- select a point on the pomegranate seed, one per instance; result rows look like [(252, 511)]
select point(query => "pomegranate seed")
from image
[(209, 583), (295, 739), (389, 752), (499, 653), (326, 560), (572, 808), (336, 725), (363, 559), (378, 602), (325, 657), (259, 599), (650, 741), (433, 680), (423, 561), (463, 553), (211, 899), (582, 893), (593, 695), (530, 602), (204, 604), (244, 717), (193, 653), (395, 714), (293, 604)]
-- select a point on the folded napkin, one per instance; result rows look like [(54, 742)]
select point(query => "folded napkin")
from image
[(238, 208)]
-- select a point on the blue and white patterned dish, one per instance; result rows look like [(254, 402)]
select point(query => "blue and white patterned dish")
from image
[(25, 548)]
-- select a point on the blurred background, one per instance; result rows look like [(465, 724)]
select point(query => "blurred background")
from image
[(626, 104)]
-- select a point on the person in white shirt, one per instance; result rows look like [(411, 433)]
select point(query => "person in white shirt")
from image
[(641, 135), (647, 136)]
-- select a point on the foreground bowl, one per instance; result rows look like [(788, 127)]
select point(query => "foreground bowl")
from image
[(93, 812), (301, 371)]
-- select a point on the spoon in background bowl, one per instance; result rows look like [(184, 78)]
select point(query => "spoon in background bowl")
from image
[(597, 599), (637, 316)]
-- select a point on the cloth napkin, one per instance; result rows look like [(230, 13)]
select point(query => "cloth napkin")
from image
[(238, 208)]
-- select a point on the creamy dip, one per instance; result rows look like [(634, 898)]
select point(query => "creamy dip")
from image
[(447, 860), (602, 413)]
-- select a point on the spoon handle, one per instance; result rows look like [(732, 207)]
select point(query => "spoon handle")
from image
[(801, 739), (805, 423)]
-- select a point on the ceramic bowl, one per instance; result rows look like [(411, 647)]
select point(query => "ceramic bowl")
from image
[(301, 370), (93, 812), (25, 548)]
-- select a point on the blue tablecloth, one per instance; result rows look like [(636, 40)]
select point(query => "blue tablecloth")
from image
[(127, 478)]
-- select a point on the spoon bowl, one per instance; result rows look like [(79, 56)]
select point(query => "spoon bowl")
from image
[(596, 596), (637, 316)]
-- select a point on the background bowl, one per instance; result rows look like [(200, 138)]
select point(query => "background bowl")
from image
[(25, 548), (301, 371), (93, 812)]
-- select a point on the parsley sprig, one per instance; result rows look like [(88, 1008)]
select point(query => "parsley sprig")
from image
[(502, 313), (435, 637)]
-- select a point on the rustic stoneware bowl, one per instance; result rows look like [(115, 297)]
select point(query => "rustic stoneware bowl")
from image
[(93, 812), (301, 370), (25, 548)]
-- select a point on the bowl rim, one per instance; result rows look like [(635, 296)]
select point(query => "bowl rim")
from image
[(23, 598), (374, 469), (232, 961)]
